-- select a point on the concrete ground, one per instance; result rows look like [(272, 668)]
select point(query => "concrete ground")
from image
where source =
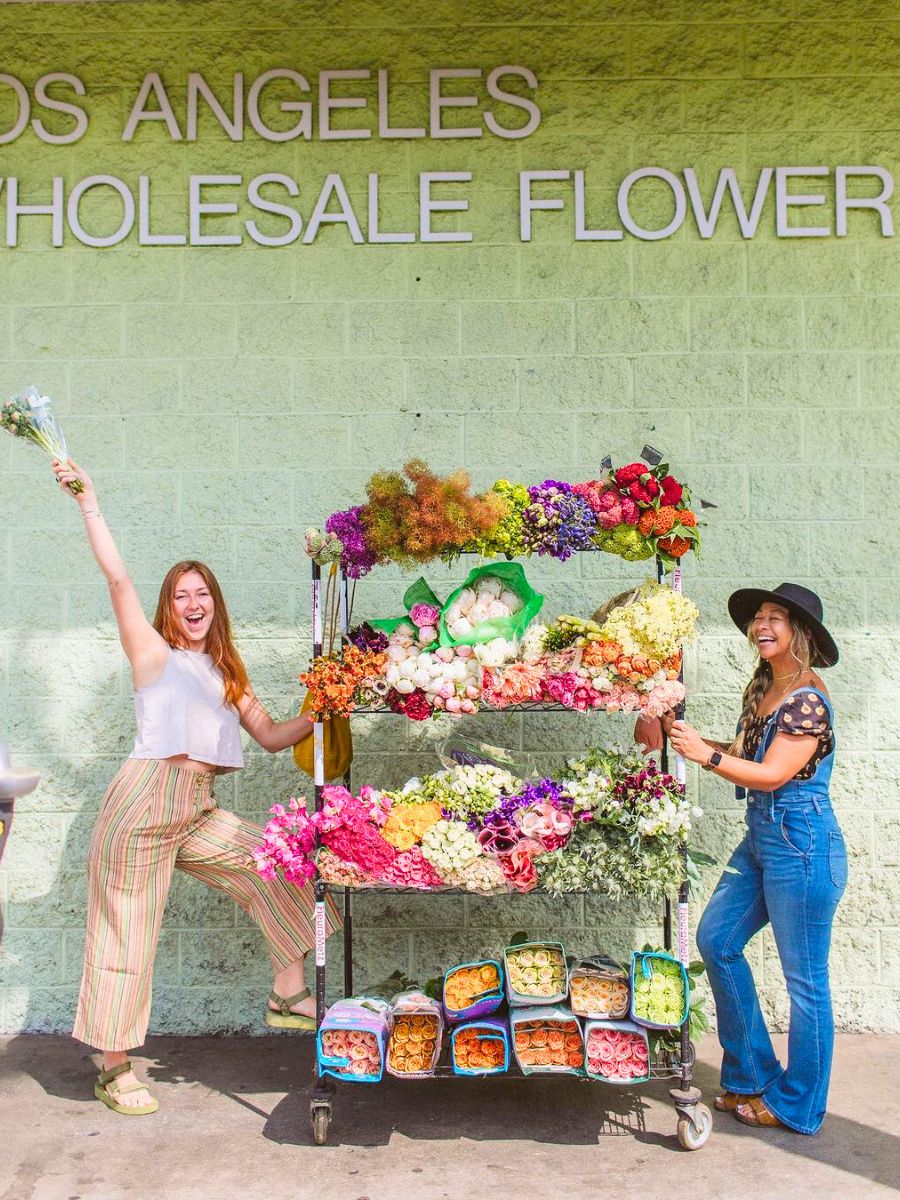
[(233, 1122)]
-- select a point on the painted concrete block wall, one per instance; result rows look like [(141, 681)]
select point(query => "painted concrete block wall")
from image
[(225, 398)]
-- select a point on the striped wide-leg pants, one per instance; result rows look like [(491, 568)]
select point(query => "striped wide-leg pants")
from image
[(156, 817)]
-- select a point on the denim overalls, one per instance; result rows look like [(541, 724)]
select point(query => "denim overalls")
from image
[(791, 870)]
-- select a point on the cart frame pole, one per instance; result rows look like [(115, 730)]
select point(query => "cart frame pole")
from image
[(344, 616)]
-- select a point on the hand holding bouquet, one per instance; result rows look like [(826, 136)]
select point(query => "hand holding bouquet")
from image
[(31, 416)]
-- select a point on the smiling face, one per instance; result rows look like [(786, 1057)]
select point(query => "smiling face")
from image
[(771, 631), (193, 609)]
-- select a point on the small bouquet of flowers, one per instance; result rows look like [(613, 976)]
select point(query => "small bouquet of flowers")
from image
[(414, 1044), (598, 988), (535, 971), (480, 1047), (352, 1039), (30, 415), (473, 989), (547, 1040), (660, 990), (616, 1052)]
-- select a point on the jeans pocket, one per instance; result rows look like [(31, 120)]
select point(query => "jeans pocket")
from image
[(796, 831), (837, 860)]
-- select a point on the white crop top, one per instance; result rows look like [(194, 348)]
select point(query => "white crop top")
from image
[(184, 712)]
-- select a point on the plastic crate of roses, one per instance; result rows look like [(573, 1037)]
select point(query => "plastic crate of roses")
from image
[(473, 990), (616, 1052), (480, 1047), (660, 990), (535, 973), (547, 1039), (414, 1042), (352, 1039), (598, 988)]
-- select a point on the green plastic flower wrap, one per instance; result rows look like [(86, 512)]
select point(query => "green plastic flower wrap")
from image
[(477, 595), (417, 596), (660, 992)]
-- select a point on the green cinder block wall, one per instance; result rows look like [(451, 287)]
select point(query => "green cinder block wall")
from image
[(227, 397)]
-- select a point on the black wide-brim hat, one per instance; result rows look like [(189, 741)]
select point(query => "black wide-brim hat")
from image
[(801, 602)]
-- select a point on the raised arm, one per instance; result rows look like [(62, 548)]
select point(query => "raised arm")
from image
[(271, 735), (145, 648)]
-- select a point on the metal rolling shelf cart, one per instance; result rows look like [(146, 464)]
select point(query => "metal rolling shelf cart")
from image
[(694, 1118)]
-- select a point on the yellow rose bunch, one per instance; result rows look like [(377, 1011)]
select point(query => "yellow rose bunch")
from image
[(406, 823)]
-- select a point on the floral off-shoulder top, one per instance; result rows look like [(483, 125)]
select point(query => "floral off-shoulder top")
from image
[(802, 712)]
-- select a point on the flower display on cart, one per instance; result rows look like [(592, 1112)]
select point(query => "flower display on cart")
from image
[(625, 659), (635, 511), (613, 823)]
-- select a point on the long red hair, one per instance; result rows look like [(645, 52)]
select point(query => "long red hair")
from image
[(219, 642)]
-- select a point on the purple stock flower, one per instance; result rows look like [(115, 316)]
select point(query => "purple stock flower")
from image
[(558, 521)]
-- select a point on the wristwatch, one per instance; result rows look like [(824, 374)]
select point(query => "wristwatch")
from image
[(713, 761)]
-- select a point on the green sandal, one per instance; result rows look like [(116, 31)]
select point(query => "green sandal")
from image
[(284, 1018), (108, 1096)]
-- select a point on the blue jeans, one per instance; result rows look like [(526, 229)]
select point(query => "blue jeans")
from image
[(791, 871)]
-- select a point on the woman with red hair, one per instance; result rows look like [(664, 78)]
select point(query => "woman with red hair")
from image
[(191, 695)]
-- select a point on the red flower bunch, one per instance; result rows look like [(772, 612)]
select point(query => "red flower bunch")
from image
[(637, 481), (519, 869), (415, 705)]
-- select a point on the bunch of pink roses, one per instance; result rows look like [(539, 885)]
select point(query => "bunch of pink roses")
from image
[(410, 868)]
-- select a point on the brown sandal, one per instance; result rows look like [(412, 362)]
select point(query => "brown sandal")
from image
[(728, 1101), (284, 1018), (754, 1112)]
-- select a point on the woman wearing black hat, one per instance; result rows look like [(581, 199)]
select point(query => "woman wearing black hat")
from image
[(790, 870)]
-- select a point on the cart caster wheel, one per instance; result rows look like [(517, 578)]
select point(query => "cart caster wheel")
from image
[(320, 1114), (694, 1129)]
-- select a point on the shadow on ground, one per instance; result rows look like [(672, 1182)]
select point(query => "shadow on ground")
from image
[(552, 1111)]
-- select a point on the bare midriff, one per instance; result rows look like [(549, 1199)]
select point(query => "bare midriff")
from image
[(192, 764)]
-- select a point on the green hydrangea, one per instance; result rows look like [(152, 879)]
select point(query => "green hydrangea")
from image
[(626, 541)]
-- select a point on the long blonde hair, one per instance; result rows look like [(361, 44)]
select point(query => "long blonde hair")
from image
[(219, 642), (802, 650)]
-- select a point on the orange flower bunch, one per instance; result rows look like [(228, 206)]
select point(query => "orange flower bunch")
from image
[(413, 1044), (478, 1048), (463, 984), (676, 545), (406, 823), (549, 1044), (659, 523), (631, 669), (332, 680), (432, 517), (592, 995)]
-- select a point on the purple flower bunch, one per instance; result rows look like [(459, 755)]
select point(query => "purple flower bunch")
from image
[(557, 521), (531, 793), (364, 637), (357, 558), (647, 784)]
